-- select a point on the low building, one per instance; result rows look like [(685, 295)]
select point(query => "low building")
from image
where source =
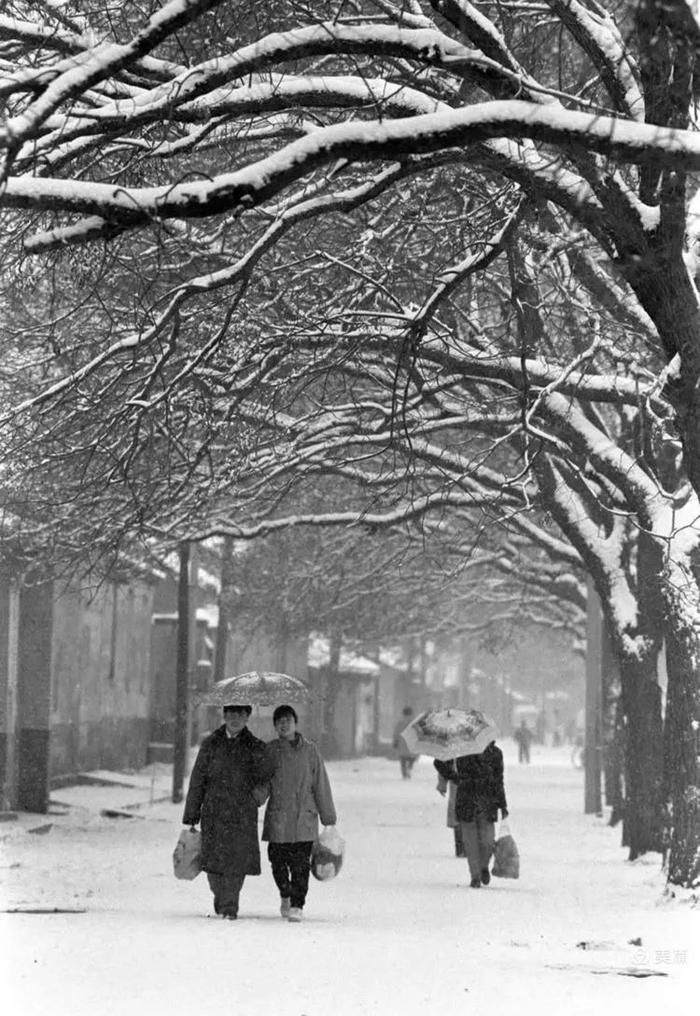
[(74, 683), (346, 717)]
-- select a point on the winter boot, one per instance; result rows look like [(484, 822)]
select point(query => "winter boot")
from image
[(285, 906), (295, 914), (485, 876), (475, 883)]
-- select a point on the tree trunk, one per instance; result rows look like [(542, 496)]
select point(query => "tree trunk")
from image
[(182, 677), (682, 734), (615, 768), (222, 631), (330, 744), (642, 827), (613, 731), (282, 643), (593, 743)]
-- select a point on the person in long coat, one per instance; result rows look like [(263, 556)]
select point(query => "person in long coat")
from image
[(225, 791), (300, 795), (523, 735), (480, 794)]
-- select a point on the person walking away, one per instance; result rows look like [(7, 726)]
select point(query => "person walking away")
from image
[(300, 794), (480, 795), (523, 735), (224, 794), (406, 759)]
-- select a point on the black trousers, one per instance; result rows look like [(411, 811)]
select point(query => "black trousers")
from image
[(226, 890), (291, 866)]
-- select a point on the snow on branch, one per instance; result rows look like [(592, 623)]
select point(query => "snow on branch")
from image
[(599, 37), (426, 46), (97, 64), (385, 140), (477, 27)]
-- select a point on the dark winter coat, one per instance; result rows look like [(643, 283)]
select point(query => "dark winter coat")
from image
[(479, 780), (221, 798), (524, 736), (300, 792)]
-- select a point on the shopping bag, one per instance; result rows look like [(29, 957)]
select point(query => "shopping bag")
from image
[(506, 863), (327, 854), (187, 855)]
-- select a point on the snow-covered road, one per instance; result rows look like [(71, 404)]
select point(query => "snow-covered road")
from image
[(398, 931)]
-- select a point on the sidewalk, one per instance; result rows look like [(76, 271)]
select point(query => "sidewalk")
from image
[(96, 925), (99, 792)]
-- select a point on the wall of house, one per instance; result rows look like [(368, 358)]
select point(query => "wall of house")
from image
[(34, 683), (163, 682), (163, 672), (364, 717), (346, 718), (100, 696), (9, 614)]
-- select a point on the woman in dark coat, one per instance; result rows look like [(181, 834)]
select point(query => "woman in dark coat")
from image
[(480, 793), (224, 794)]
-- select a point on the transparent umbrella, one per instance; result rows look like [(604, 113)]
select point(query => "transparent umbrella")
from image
[(256, 688), (450, 733)]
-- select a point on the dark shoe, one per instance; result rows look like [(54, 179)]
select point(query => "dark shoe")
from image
[(229, 915), (475, 883), (485, 876)]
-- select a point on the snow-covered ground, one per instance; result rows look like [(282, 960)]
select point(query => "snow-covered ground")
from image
[(399, 931)]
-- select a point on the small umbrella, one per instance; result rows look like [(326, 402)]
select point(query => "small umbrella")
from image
[(256, 688), (449, 733)]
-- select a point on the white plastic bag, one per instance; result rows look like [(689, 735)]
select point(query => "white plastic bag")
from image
[(187, 854), (506, 862), (327, 854)]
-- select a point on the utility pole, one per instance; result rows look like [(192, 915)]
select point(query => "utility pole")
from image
[(182, 676), (594, 703)]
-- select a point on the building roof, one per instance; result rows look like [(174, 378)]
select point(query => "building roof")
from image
[(350, 663)]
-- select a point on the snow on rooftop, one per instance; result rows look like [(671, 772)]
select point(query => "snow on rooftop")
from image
[(352, 663), (392, 658), (210, 614)]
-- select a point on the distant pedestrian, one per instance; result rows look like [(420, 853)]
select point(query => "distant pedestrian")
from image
[(480, 795), (406, 758), (300, 794), (224, 794), (523, 735)]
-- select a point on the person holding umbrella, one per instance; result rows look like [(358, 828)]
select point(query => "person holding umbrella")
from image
[(224, 794), (462, 744), (300, 794), (480, 795)]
